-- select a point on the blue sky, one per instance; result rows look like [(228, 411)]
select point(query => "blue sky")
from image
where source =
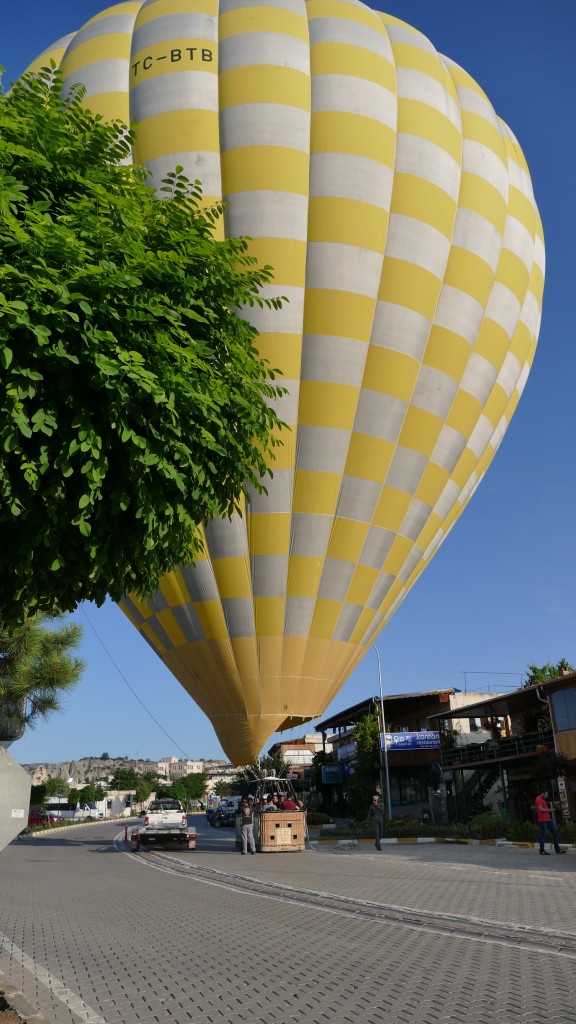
[(499, 595)]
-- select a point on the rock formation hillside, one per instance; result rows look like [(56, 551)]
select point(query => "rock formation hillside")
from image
[(87, 769)]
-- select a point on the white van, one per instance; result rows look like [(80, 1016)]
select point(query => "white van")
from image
[(65, 810)]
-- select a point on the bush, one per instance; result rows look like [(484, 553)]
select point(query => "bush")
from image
[(486, 826), (567, 833), (318, 818), (522, 832)]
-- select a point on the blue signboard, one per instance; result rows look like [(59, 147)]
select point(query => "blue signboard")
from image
[(331, 773), (411, 740)]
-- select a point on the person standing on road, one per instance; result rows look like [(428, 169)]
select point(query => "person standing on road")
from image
[(546, 822), (376, 818), (247, 827)]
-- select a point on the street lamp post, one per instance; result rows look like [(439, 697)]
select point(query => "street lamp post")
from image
[(383, 743)]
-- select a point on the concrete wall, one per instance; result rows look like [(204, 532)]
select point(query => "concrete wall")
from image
[(14, 798)]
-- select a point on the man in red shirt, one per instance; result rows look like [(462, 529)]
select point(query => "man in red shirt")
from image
[(546, 822), (286, 804)]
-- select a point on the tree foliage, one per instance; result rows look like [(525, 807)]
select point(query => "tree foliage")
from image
[(38, 795), (367, 764), (549, 764), (57, 787), (133, 402), (323, 790), (189, 787), (36, 671), (223, 788), (124, 778), (540, 674), (194, 785), (90, 793), (143, 790)]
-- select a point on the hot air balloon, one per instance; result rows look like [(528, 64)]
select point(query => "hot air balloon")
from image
[(397, 211)]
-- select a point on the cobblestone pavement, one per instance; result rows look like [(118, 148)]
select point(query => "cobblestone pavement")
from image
[(417, 934)]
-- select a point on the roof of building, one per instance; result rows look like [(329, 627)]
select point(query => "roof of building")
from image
[(351, 715), (527, 698)]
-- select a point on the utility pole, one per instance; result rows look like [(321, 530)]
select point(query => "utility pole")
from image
[(382, 743)]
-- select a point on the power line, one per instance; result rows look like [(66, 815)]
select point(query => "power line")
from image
[(487, 673), (132, 690)]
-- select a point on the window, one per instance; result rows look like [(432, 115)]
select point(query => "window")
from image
[(298, 756), (408, 786), (564, 706)]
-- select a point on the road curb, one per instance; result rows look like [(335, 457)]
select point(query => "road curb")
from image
[(447, 840), (59, 830)]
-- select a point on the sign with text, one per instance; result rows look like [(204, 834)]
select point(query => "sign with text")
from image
[(331, 774), (411, 740)]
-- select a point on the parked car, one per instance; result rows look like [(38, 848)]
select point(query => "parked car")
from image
[(40, 816)]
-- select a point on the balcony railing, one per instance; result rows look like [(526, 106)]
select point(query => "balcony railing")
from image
[(498, 750)]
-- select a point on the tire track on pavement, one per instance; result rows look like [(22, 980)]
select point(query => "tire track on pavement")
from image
[(521, 937)]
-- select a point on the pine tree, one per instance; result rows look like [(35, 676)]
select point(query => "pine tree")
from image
[(36, 670)]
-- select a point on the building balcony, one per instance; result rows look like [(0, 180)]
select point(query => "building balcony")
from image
[(521, 746)]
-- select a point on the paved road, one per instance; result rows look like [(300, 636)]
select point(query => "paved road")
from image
[(414, 935)]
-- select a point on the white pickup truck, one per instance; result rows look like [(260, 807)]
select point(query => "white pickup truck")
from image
[(165, 822)]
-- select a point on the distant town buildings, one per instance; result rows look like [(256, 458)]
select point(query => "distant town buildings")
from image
[(173, 768)]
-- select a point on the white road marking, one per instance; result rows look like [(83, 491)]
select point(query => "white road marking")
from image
[(56, 987)]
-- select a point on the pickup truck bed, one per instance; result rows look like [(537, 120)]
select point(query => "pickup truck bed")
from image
[(162, 835), (165, 822)]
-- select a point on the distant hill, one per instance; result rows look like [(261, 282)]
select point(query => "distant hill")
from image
[(86, 769)]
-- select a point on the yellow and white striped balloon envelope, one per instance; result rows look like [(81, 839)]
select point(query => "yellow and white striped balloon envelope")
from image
[(397, 211)]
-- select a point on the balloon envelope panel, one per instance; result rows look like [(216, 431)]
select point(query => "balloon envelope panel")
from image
[(397, 211)]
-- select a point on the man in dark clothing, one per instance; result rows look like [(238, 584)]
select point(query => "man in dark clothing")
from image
[(247, 827), (376, 817)]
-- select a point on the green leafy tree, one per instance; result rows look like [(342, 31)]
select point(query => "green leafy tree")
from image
[(539, 720), (125, 778), (38, 795), (143, 790), (164, 788), (57, 787), (549, 764), (179, 791), (222, 788), (194, 785), (323, 790), (134, 405), (367, 765), (90, 793), (540, 674), (36, 671)]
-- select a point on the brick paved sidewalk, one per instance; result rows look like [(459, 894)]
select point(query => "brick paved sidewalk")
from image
[(90, 935)]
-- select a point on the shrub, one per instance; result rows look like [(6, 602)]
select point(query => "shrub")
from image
[(318, 818), (486, 826), (567, 833), (522, 832)]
